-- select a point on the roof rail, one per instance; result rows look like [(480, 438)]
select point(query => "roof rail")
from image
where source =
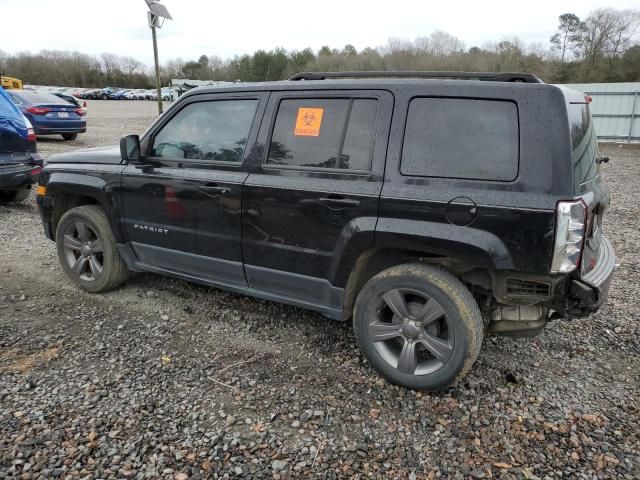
[(488, 76)]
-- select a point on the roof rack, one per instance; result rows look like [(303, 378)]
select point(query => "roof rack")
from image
[(488, 76)]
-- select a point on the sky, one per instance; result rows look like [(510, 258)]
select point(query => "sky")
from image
[(227, 28)]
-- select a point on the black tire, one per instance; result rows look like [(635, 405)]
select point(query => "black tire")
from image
[(455, 333), (70, 246), (105, 96), (69, 136), (15, 195)]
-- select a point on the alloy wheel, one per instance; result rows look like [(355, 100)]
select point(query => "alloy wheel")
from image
[(411, 332), (83, 251)]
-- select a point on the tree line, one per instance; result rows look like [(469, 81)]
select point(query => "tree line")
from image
[(603, 47)]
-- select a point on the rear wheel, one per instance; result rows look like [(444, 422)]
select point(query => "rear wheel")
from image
[(105, 96), (15, 195), (418, 326), (69, 136), (87, 250)]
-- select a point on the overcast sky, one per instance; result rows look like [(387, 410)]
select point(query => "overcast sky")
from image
[(226, 28)]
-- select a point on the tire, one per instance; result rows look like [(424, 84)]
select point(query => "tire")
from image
[(72, 241), (452, 326), (105, 96), (69, 136), (15, 195)]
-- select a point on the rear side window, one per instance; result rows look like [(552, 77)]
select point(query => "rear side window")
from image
[(324, 133), (461, 138), (584, 144)]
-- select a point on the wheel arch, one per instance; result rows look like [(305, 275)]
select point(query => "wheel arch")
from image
[(70, 190)]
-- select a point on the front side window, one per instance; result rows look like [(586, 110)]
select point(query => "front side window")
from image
[(461, 138), (213, 130), (335, 133)]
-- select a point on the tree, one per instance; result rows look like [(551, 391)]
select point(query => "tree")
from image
[(569, 34)]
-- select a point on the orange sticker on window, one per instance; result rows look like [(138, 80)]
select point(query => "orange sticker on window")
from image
[(308, 122)]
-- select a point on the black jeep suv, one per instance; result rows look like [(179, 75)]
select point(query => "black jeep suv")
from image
[(427, 207)]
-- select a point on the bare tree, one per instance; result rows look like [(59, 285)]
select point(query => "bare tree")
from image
[(569, 33)]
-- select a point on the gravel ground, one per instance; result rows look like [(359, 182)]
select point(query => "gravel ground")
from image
[(165, 379)]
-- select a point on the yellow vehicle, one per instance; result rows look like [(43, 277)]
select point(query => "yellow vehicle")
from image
[(10, 82)]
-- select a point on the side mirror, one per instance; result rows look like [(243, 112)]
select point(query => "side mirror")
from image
[(130, 148)]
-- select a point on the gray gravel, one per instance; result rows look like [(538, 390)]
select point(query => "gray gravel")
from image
[(164, 379)]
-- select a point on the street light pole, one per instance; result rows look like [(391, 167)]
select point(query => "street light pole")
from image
[(157, 63), (157, 14)]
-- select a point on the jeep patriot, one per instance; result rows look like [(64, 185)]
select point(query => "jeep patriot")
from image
[(428, 208)]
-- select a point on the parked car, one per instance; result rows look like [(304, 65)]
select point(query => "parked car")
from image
[(50, 114), (20, 163), (89, 94), (131, 94), (427, 211), (119, 94), (78, 92), (166, 94), (71, 99), (103, 93), (140, 94)]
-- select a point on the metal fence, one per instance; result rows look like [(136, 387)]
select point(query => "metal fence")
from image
[(615, 109)]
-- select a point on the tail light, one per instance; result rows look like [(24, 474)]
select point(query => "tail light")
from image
[(81, 111), (31, 135), (36, 171), (571, 221), (38, 110)]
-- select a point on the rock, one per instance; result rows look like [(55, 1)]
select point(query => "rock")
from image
[(278, 465)]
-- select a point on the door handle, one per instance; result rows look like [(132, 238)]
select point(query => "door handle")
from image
[(339, 202), (215, 189)]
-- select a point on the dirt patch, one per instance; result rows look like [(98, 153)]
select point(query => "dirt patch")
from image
[(12, 361)]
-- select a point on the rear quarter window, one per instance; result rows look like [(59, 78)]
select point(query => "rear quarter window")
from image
[(461, 138), (584, 145)]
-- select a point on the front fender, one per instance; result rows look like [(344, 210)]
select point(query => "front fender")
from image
[(477, 248), (99, 186)]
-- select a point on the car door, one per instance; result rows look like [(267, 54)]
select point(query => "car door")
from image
[(182, 204), (316, 187)]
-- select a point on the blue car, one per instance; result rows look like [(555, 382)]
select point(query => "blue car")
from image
[(50, 114), (20, 163), (119, 95)]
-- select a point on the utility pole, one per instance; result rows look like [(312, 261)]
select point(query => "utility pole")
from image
[(157, 63), (156, 15)]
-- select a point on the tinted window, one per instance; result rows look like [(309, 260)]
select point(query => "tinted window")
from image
[(584, 144), (460, 138), (324, 133), (215, 130)]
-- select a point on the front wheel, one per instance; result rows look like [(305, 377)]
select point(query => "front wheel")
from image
[(87, 250), (69, 136), (418, 326)]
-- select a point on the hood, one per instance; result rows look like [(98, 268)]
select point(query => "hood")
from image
[(104, 155)]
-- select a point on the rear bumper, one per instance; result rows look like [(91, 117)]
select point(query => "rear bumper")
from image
[(18, 176), (41, 130), (592, 288)]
